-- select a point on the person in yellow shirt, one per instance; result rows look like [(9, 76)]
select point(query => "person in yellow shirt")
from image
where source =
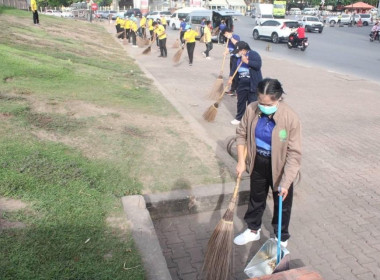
[(142, 26), (164, 21), (160, 33), (34, 8), (121, 28), (117, 24), (133, 32), (207, 38), (189, 38), (127, 27), (151, 28)]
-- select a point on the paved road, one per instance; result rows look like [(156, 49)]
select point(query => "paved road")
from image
[(335, 222), (340, 49)]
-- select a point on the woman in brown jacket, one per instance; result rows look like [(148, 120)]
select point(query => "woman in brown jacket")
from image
[(272, 133)]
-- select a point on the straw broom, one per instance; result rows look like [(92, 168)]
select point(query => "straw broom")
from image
[(176, 44), (211, 112), (148, 49), (140, 41), (178, 54), (218, 258), (218, 85)]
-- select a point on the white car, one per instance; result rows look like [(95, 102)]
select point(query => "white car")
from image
[(157, 14), (344, 19), (274, 29)]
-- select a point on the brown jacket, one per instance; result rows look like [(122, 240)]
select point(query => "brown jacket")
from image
[(286, 142)]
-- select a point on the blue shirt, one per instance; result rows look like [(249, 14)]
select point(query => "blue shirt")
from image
[(231, 45), (183, 25), (244, 68), (222, 26), (263, 132)]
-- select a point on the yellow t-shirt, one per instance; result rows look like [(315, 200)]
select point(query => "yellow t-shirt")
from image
[(207, 34), (160, 31), (143, 22), (190, 35), (163, 20), (134, 26), (33, 5), (127, 24), (150, 24)]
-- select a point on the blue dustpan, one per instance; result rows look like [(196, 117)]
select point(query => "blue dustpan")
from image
[(271, 257)]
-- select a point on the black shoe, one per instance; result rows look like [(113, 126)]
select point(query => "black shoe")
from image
[(160, 56)]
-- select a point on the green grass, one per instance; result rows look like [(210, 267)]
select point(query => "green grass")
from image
[(70, 197), (80, 127)]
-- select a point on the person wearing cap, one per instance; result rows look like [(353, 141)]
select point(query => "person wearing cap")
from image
[(189, 38), (182, 30), (249, 75), (232, 40), (207, 39), (160, 33), (33, 7), (271, 132)]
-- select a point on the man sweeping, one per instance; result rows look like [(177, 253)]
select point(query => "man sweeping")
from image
[(249, 75), (160, 33), (189, 38)]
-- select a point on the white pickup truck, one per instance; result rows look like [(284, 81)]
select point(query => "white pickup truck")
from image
[(311, 24)]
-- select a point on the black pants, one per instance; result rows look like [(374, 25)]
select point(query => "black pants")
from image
[(208, 48), (261, 179), (151, 34), (143, 32), (190, 51), (128, 33), (163, 50), (121, 36), (133, 35), (181, 36), (244, 95), (233, 60), (36, 20), (117, 26)]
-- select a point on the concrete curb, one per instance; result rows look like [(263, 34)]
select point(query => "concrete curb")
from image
[(193, 201), (145, 237)]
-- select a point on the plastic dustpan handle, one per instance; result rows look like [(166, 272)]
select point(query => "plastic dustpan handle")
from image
[(279, 225)]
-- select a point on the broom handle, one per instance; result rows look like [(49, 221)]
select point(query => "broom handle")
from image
[(236, 190), (279, 225), (224, 58), (227, 86)]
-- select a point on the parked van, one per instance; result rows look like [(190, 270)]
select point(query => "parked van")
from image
[(175, 19), (215, 16)]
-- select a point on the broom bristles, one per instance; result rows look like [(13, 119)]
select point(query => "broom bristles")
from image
[(177, 56), (211, 112), (218, 257), (202, 39), (140, 42), (217, 88), (147, 50), (176, 44), (147, 41), (215, 31)]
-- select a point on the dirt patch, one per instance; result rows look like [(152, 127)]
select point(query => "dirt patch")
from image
[(10, 205)]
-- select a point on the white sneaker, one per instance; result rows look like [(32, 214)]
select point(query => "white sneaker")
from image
[(283, 243), (235, 122), (208, 58), (246, 237), (204, 54)]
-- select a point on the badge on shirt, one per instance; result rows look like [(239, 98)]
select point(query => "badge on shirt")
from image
[(283, 134)]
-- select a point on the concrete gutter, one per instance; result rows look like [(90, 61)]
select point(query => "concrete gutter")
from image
[(145, 237)]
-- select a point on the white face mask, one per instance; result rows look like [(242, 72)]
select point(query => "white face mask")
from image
[(237, 55)]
